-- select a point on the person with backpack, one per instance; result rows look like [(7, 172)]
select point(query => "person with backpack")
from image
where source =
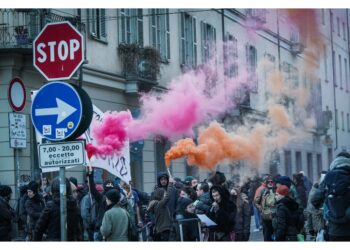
[(115, 220), (288, 220), (337, 198), (267, 204)]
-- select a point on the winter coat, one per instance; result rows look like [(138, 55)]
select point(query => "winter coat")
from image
[(88, 211), (258, 195), (173, 196), (50, 220), (315, 221), (224, 217), (302, 194), (5, 220), (102, 205), (163, 219), (115, 224), (189, 228), (34, 206), (243, 218), (204, 204), (288, 220)]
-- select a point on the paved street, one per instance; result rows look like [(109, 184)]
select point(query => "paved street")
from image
[(255, 236)]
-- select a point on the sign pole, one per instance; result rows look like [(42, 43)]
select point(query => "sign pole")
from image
[(63, 204), (17, 181)]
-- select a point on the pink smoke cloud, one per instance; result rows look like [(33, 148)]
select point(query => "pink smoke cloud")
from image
[(110, 135)]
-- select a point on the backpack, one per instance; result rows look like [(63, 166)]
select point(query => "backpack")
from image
[(132, 230), (337, 200), (268, 204)]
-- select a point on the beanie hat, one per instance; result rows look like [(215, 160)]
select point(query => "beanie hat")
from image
[(188, 179), (33, 185), (110, 183), (283, 190), (183, 202), (113, 195), (284, 180)]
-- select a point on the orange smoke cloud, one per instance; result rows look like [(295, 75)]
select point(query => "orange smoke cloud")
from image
[(216, 145), (279, 116)]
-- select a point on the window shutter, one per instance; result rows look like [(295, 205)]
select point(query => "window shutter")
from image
[(103, 23), (194, 54), (140, 27), (182, 38), (167, 37)]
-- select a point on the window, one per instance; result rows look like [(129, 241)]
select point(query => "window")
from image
[(319, 163), (131, 26), (97, 23), (344, 32), (160, 37), (325, 62), (346, 74), (288, 162), (310, 166), (208, 41), (231, 56), (188, 41), (335, 69), (322, 16), (338, 26), (340, 72), (342, 121), (330, 156), (252, 64), (348, 121), (336, 119), (298, 161)]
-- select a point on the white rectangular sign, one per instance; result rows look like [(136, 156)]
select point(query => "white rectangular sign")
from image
[(62, 154), (18, 130)]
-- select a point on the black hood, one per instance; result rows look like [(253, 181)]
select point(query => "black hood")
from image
[(225, 195), (160, 175), (289, 203)]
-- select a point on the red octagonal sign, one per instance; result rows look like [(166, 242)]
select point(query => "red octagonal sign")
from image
[(58, 51)]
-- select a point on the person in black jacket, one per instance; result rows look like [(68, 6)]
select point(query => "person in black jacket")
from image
[(222, 212), (49, 219), (288, 221), (187, 219), (34, 206), (6, 213)]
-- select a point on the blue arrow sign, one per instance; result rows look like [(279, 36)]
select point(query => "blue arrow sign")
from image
[(56, 111)]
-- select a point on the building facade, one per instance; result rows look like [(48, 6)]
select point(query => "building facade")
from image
[(185, 39)]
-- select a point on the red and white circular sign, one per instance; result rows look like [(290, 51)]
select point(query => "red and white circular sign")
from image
[(16, 94)]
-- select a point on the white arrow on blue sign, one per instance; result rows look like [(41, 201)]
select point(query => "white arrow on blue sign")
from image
[(56, 111)]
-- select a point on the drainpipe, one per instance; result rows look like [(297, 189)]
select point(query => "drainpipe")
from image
[(278, 41), (334, 76)]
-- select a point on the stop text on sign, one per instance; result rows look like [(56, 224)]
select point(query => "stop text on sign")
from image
[(61, 50)]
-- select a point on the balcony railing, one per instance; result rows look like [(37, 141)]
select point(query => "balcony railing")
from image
[(19, 27)]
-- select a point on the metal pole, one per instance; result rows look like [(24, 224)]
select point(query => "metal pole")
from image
[(63, 205), (17, 191)]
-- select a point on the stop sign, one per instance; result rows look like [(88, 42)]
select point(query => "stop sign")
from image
[(58, 51)]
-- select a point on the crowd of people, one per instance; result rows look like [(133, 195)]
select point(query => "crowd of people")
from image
[(284, 208)]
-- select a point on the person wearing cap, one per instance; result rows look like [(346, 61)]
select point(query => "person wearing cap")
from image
[(34, 206), (285, 180), (185, 214), (288, 221), (115, 221)]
